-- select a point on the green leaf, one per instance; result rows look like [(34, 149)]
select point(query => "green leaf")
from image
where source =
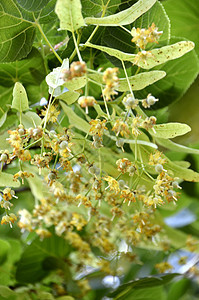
[(33, 5), (4, 249), (75, 120), (3, 119), (170, 130), (38, 189), (7, 180), (178, 289), (180, 75), (20, 99), (176, 147), (30, 70), (31, 268), (94, 8), (143, 283), (117, 38), (99, 111), (124, 17), (69, 97), (184, 16), (75, 83), (65, 298), (5, 99), (69, 14), (16, 39), (6, 293)]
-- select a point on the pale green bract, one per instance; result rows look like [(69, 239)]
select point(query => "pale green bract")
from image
[(69, 14), (75, 120), (151, 58), (6, 179), (68, 97), (124, 17), (138, 82), (170, 130), (54, 79), (20, 99)]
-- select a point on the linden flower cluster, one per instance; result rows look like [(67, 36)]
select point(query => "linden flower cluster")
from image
[(141, 36), (111, 80), (93, 199), (77, 69), (86, 101)]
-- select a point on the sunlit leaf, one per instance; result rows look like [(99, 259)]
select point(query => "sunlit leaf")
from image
[(69, 13)]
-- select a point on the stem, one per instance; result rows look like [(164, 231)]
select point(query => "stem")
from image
[(96, 28), (92, 34), (127, 78), (75, 50), (100, 162), (107, 111), (76, 47), (29, 146), (125, 29), (56, 158), (138, 70), (47, 41)]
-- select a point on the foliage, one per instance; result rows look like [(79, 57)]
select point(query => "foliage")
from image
[(89, 174)]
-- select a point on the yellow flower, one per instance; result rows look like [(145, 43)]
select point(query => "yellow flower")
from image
[(112, 183), (9, 219), (53, 113), (121, 127), (78, 221), (97, 127), (163, 267)]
